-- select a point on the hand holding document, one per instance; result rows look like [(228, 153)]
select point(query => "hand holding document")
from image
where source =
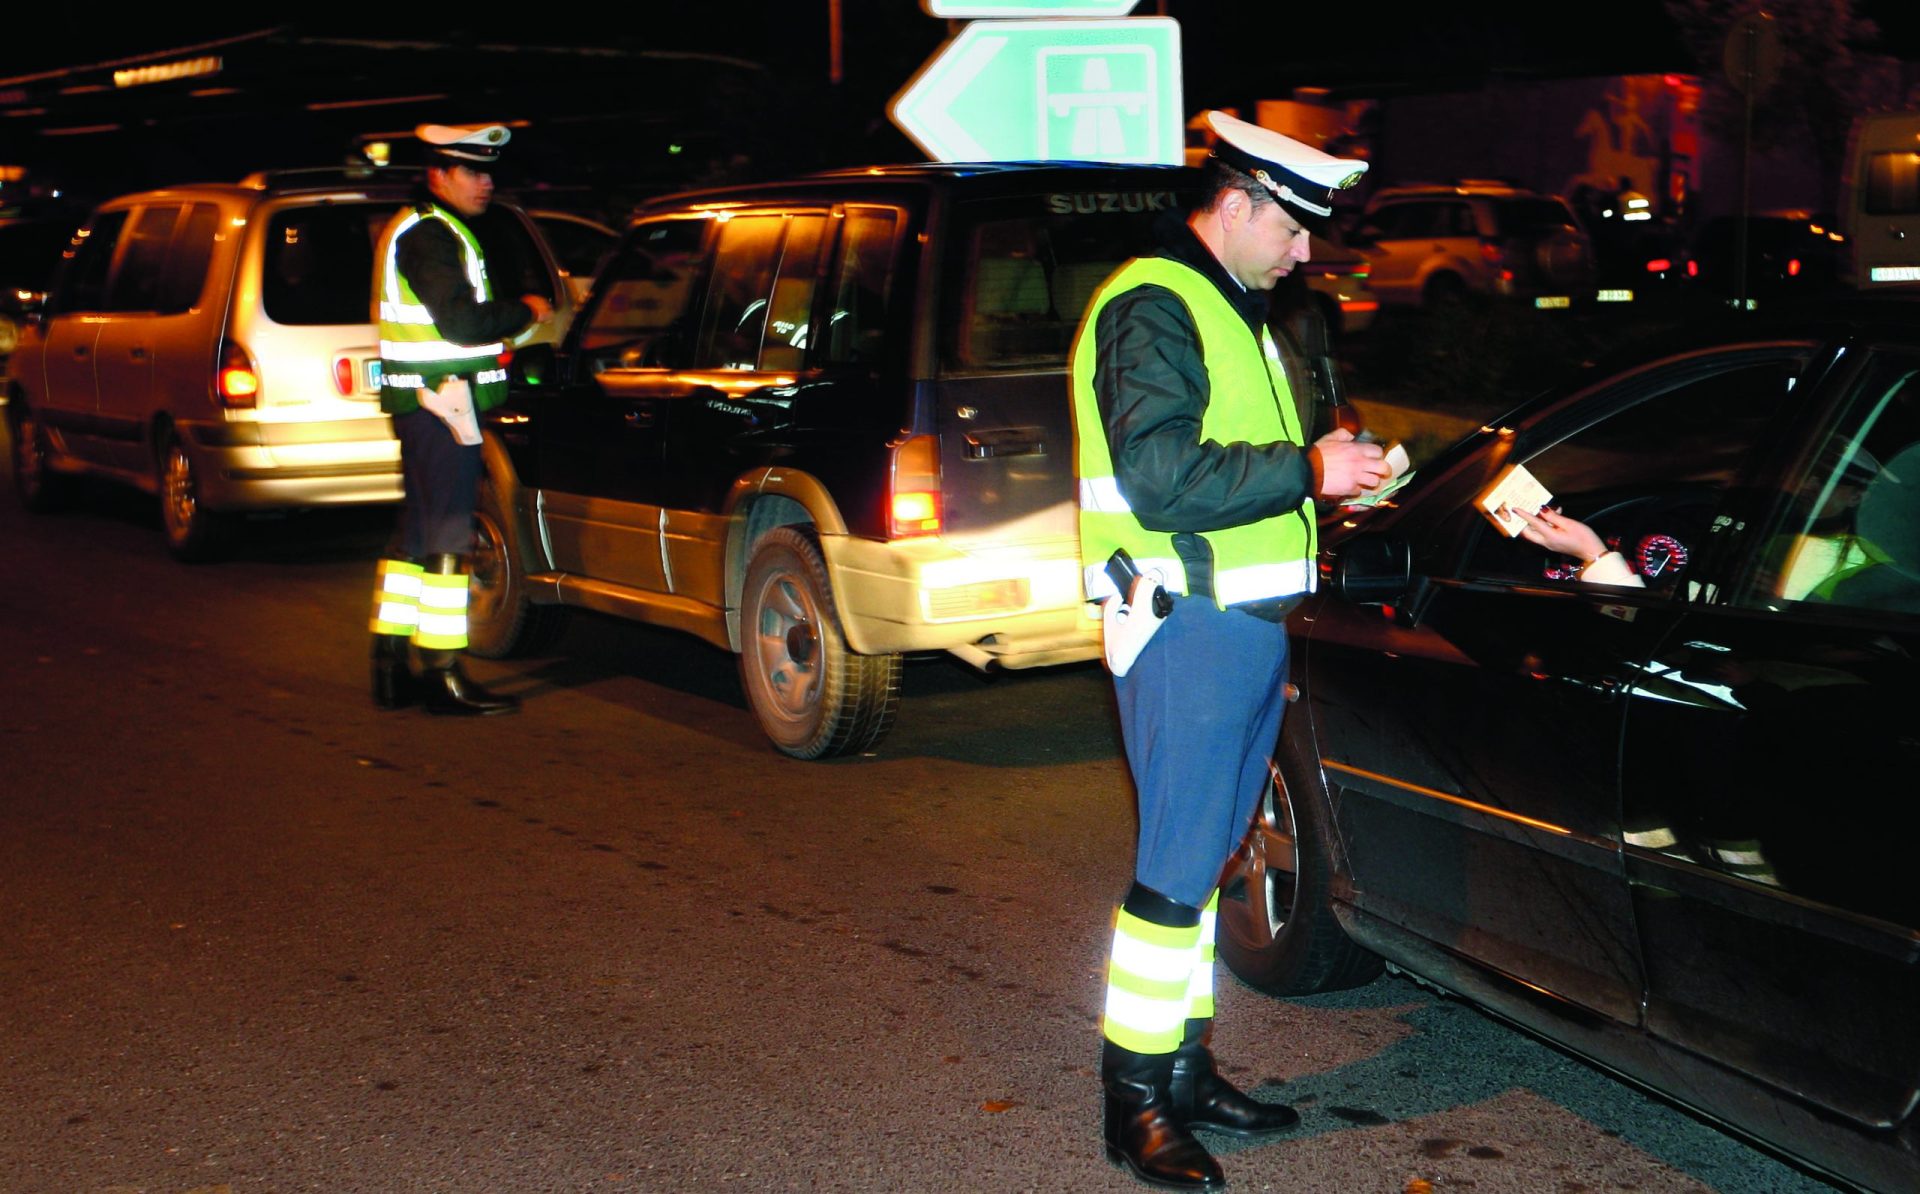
[(453, 403), (1515, 489)]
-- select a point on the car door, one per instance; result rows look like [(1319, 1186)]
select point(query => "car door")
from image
[(1473, 736), (69, 396), (132, 333), (1770, 758)]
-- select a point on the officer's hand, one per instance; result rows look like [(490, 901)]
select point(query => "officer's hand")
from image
[(1343, 467), (541, 308)]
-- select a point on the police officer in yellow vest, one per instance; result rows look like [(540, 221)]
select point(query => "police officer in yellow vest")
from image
[(1193, 457), (442, 336)]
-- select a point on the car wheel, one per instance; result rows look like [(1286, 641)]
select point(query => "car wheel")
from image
[(1277, 930), (502, 621), (37, 485), (194, 533), (812, 695), (1444, 292)]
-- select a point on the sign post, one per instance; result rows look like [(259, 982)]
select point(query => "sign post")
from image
[(1057, 89)]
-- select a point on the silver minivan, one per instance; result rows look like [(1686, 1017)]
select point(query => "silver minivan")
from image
[(211, 344)]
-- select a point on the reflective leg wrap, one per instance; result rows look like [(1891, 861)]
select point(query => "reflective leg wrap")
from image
[(396, 598), (1200, 984), (443, 606), (1155, 942)]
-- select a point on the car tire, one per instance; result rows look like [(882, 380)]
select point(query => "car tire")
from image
[(194, 533), (813, 696), (38, 487), (1444, 292), (1277, 929), (502, 620)]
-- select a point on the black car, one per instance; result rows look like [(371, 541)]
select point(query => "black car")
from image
[(1790, 255), (1667, 825)]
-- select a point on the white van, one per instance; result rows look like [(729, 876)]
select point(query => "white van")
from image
[(1880, 202)]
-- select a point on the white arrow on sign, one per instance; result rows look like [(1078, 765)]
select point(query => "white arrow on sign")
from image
[(935, 106)]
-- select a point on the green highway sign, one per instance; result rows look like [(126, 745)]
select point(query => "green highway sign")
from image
[(1050, 90), (1030, 8)]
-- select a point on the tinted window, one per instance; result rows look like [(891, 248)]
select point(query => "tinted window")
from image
[(1031, 268), (515, 265), (185, 275), (136, 284), (1521, 217), (83, 274), (1893, 183), (790, 315), (643, 304), (578, 247), (856, 328), (1850, 534), (319, 263), (736, 313)]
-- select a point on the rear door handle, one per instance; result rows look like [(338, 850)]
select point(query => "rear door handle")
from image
[(138, 352)]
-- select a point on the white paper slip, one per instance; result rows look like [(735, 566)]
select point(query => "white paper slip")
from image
[(1516, 489)]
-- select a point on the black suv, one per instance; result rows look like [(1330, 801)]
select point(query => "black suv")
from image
[(820, 423)]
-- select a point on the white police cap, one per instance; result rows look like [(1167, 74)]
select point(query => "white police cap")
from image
[(1300, 176), (472, 145)]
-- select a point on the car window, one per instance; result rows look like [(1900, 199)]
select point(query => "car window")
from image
[(856, 326), (644, 302), (1893, 183), (515, 265), (82, 285), (790, 312), (745, 257), (1028, 277), (1648, 477), (1531, 217), (1850, 533), (136, 283), (319, 262), (185, 274), (578, 247)]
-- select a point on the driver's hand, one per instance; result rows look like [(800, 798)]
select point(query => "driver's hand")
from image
[(1556, 532)]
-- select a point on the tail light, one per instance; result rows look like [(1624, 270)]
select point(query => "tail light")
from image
[(239, 383), (1659, 265), (1793, 267), (1693, 269), (1491, 251), (343, 375), (913, 498)]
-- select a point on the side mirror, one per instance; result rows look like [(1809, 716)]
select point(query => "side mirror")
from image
[(1373, 570), (532, 366)]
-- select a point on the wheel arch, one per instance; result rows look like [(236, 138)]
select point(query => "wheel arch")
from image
[(522, 523), (757, 504)]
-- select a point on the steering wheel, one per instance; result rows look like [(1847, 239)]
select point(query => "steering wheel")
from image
[(1657, 532)]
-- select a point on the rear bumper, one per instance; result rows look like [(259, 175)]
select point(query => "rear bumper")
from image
[(1015, 606), (266, 465)]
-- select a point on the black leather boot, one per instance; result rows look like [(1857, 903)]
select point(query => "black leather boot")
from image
[(393, 684), (445, 689), (1142, 1132), (1203, 1099)]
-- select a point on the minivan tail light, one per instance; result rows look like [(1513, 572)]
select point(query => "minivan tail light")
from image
[(343, 375), (913, 497), (1491, 251), (239, 383)]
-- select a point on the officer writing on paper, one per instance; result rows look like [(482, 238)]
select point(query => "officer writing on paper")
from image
[(442, 336), (1193, 460)]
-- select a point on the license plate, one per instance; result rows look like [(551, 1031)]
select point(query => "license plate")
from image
[(1615, 296), (373, 374), (1552, 301)]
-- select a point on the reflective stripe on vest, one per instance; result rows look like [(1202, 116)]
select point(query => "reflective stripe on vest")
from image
[(407, 331), (1249, 400)]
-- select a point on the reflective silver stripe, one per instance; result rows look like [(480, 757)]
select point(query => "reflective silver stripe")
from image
[(436, 350), (404, 381), (414, 313), (1234, 585), (449, 625), (1102, 494), (398, 613), (1153, 1016), (1100, 586), (402, 584), (1161, 963), (442, 598), (393, 257), (489, 375)]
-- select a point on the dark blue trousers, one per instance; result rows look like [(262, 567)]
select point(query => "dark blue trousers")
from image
[(1200, 714), (442, 476)]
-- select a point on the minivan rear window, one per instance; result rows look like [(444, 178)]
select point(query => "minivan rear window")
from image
[(1893, 184), (1032, 265), (319, 263)]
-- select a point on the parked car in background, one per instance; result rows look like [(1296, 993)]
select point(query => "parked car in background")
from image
[(1340, 278), (1434, 245), (30, 248), (1665, 825), (819, 423), (212, 344), (1792, 255)]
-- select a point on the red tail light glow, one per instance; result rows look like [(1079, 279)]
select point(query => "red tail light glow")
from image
[(239, 382), (1693, 269), (1659, 265), (1793, 267), (343, 375), (913, 500)]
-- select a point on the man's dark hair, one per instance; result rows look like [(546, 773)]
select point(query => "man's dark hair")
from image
[(1217, 178)]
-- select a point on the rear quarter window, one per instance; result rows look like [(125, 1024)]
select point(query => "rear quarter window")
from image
[(1029, 266), (319, 262)]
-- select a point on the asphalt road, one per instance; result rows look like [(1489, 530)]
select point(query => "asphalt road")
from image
[(259, 936)]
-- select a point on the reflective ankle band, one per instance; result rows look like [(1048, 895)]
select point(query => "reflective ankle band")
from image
[(443, 612), (1147, 984), (1200, 985), (396, 598)]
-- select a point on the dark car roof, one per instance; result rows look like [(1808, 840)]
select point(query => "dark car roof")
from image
[(984, 179)]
